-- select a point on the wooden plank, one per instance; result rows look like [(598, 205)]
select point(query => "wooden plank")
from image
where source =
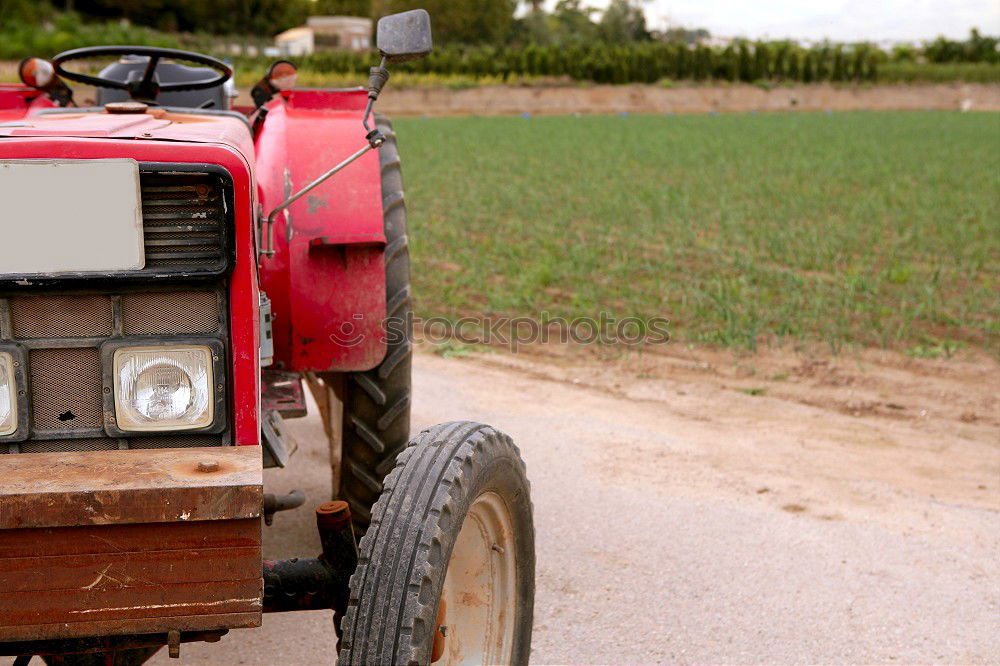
[(129, 541), (89, 539), (95, 605), (129, 486), (125, 570), (29, 632)]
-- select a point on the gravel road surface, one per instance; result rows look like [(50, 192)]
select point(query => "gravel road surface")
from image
[(661, 538), (695, 524)]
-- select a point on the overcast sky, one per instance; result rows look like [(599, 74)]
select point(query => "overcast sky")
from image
[(841, 20)]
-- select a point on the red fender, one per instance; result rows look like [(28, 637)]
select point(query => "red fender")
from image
[(17, 101), (326, 280)]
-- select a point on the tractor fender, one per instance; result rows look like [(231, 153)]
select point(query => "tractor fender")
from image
[(326, 280), (17, 101)]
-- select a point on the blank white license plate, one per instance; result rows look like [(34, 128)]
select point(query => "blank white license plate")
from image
[(70, 216)]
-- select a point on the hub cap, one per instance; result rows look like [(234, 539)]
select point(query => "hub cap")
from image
[(476, 617)]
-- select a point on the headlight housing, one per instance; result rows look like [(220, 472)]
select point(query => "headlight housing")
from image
[(164, 387), (8, 395)]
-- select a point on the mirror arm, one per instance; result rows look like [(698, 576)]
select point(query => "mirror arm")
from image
[(268, 250), (378, 77)]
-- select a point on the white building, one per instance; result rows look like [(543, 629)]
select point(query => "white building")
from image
[(347, 33), (334, 33), (295, 42)]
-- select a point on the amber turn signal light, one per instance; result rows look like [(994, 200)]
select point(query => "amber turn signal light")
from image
[(41, 75), (37, 73), (281, 76)]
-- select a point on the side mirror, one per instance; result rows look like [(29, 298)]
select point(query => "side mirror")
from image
[(401, 37), (404, 36)]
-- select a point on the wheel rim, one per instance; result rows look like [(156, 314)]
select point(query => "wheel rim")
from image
[(476, 618)]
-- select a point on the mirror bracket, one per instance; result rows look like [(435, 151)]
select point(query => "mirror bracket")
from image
[(378, 77)]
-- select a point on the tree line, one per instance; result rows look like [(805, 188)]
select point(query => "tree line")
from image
[(456, 22), (650, 62), (641, 62), (569, 42)]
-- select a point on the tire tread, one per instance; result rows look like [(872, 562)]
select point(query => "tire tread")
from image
[(403, 561), (376, 402)]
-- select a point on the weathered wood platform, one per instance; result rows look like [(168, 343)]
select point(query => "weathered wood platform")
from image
[(129, 542)]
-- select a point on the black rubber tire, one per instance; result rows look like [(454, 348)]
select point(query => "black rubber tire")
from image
[(395, 590), (376, 421)]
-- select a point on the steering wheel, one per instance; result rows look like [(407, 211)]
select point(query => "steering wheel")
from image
[(146, 88)]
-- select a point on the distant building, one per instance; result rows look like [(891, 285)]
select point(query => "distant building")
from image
[(326, 33), (295, 42), (347, 33)]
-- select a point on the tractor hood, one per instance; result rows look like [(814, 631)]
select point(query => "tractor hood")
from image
[(155, 124)]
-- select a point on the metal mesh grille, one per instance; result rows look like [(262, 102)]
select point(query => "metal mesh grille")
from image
[(66, 389), (61, 316), (57, 445), (175, 442), (183, 217), (65, 383), (175, 313)]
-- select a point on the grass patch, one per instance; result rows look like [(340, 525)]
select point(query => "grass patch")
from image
[(935, 349), (453, 349), (873, 229)]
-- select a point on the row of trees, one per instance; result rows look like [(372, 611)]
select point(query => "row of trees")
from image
[(228, 17), (455, 21), (469, 22), (978, 48), (643, 62), (568, 42), (465, 21), (495, 21)]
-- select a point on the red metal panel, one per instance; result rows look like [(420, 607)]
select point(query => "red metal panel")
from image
[(17, 100), (235, 153), (157, 124), (320, 99), (327, 278)]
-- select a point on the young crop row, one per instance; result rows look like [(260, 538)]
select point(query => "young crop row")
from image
[(868, 229)]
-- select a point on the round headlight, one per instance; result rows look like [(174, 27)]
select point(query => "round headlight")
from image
[(163, 392)]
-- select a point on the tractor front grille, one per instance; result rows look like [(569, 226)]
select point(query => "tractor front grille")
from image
[(65, 390), (188, 232), (62, 334), (173, 313), (61, 316), (184, 221), (57, 445)]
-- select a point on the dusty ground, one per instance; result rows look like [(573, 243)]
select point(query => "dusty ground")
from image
[(498, 100), (847, 513)]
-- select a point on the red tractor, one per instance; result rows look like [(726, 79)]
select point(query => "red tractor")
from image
[(172, 273)]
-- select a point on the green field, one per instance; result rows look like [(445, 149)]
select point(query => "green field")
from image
[(858, 229)]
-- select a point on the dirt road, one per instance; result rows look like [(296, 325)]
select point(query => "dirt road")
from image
[(704, 508), (701, 507), (569, 99)]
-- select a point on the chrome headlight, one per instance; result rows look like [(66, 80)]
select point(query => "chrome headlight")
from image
[(8, 395), (164, 387)]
